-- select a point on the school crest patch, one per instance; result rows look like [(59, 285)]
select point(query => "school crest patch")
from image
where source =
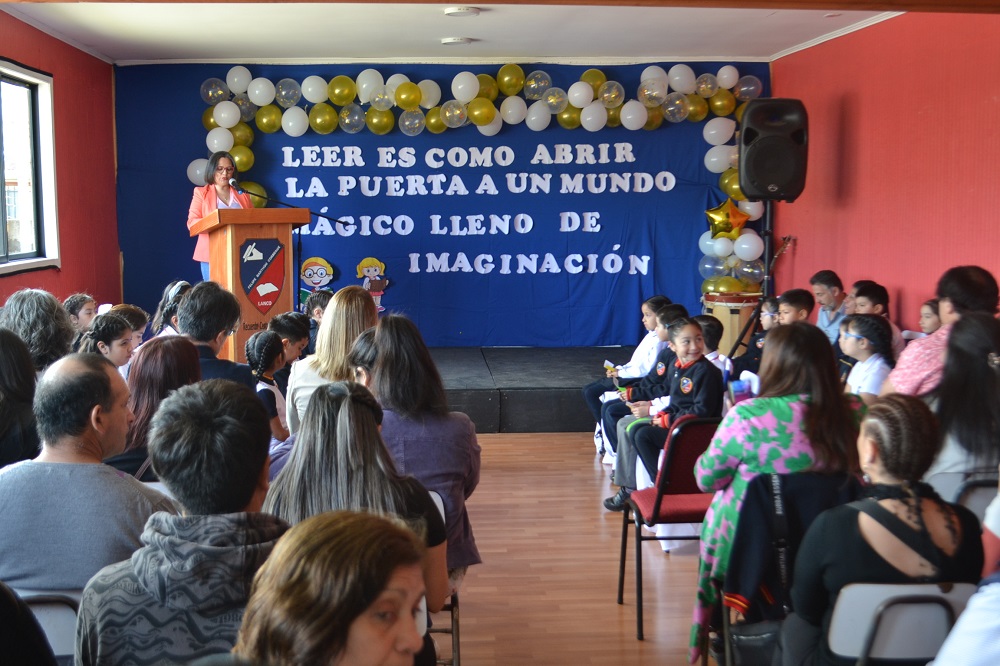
[(262, 271), (760, 343), (661, 368), (686, 385)]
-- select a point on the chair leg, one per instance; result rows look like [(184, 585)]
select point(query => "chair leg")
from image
[(621, 560), (638, 579), (456, 648)]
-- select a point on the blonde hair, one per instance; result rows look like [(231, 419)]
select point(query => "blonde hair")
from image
[(350, 311), (370, 262)]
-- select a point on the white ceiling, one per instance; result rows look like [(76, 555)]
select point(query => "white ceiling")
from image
[(132, 33)]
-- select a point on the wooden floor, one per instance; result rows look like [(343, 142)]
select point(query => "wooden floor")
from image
[(545, 593)]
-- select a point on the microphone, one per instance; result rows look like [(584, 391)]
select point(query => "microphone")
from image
[(235, 185)]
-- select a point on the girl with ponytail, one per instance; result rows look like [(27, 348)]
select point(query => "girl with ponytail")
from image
[(265, 356)]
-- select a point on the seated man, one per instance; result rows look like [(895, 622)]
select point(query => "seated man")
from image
[(208, 315), (65, 513), (182, 595)]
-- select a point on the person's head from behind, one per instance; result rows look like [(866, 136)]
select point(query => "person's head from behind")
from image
[(265, 354), (768, 312), (871, 299), (827, 288), (350, 311), (316, 303), (136, 317), (649, 308), (864, 335), (340, 589), (166, 309), (111, 336), (795, 305), (220, 168), (851, 293), (81, 401), (899, 439), (930, 320), (17, 373), (711, 331), (969, 390), (208, 445), (363, 355), (293, 329), (965, 289), (685, 339), (405, 378), (208, 313), (159, 368), (40, 320), (81, 308), (665, 316)]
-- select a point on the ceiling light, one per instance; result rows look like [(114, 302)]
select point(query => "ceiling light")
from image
[(461, 11), (456, 41)]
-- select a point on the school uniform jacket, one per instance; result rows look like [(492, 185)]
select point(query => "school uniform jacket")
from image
[(695, 389), (656, 383)]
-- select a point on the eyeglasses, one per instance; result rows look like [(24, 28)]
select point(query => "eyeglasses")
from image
[(768, 314), (854, 336), (225, 170)]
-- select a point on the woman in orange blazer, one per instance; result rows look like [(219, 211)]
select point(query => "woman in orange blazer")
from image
[(216, 194)]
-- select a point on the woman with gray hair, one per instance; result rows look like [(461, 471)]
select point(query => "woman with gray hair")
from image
[(40, 320)]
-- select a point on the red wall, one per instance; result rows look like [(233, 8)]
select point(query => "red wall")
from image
[(902, 180), (85, 165)]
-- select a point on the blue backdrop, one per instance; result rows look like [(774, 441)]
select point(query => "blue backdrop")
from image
[(548, 238)]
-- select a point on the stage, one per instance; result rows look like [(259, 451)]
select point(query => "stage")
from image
[(524, 389)]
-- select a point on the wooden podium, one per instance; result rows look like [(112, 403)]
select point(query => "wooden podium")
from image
[(250, 254)]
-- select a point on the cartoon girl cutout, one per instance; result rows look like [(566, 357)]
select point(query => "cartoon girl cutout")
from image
[(373, 270)]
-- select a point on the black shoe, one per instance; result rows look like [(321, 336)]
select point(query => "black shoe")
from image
[(619, 502)]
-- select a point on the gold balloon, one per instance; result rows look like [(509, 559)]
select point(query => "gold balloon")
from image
[(208, 118), (697, 108), (242, 134), (408, 96), (481, 112), (255, 188), (732, 185), (614, 117), (569, 117), (379, 122), (595, 78), (728, 285), (342, 90), (243, 158), (268, 119), (750, 287), (510, 79), (654, 118), (726, 220), (739, 112), (323, 118), (726, 176), (722, 102), (433, 121), (488, 87), (710, 285)]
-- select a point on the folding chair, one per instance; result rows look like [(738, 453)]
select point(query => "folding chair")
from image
[(675, 498), (901, 621), (976, 494), (56, 614)]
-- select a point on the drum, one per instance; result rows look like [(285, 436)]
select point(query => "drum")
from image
[(733, 310)]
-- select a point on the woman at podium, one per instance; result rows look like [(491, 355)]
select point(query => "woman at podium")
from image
[(217, 193)]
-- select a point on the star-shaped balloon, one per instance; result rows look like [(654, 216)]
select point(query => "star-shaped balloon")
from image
[(726, 220)]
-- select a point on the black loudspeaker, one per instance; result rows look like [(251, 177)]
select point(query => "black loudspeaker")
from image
[(774, 145)]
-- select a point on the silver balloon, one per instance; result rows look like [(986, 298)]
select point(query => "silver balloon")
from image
[(352, 118), (214, 91), (710, 267), (751, 271), (381, 98), (706, 85), (652, 92), (556, 100), (611, 94), (675, 107), (747, 88), (412, 123), (453, 114), (536, 84), (247, 108), (287, 93)]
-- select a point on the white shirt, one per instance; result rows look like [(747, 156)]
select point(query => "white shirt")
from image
[(867, 376), (643, 357)]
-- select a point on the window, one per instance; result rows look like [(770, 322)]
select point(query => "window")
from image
[(29, 231)]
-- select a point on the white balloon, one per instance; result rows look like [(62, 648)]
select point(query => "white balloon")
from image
[(238, 79), (430, 93), (634, 115), (513, 110), (718, 131), (653, 72), (538, 117), (755, 209), (261, 91), (393, 82), (722, 247), (493, 127), (749, 247), (465, 87), (196, 171), (219, 140), (594, 116), (295, 121), (367, 81), (717, 158), (315, 89), (226, 114), (707, 244), (682, 79), (580, 94), (748, 230), (734, 156), (727, 76)]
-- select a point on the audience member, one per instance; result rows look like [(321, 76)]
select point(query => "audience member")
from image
[(873, 298), (265, 355), (208, 315), (930, 321), (867, 339), (18, 435), (795, 305), (749, 361), (165, 318), (711, 333), (81, 308), (829, 293), (110, 336), (340, 588), (136, 317), (901, 533), (293, 327), (801, 421), (849, 298), (65, 515), (961, 290), (24, 642), (315, 307), (41, 322), (362, 357), (186, 588), (350, 311)]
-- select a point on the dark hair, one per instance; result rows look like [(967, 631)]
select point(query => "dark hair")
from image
[(861, 283), (364, 352), (208, 444), (711, 331), (874, 292), (64, 400), (932, 303), (906, 433), (17, 377), (292, 326), (136, 317), (75, 302), (798, 359), (678, 324), (104, 328), (318, 299), (41, 322), (405, 378), (213, 164), (828, 279), (161, 366), (970, 289), (769, 303), (656, 302), (206, 311), (261, 350), (668, 313), (798, 299), (167, 307), (876, 329), (968, 396)]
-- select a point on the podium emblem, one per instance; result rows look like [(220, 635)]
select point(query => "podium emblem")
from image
[(262, 271)]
